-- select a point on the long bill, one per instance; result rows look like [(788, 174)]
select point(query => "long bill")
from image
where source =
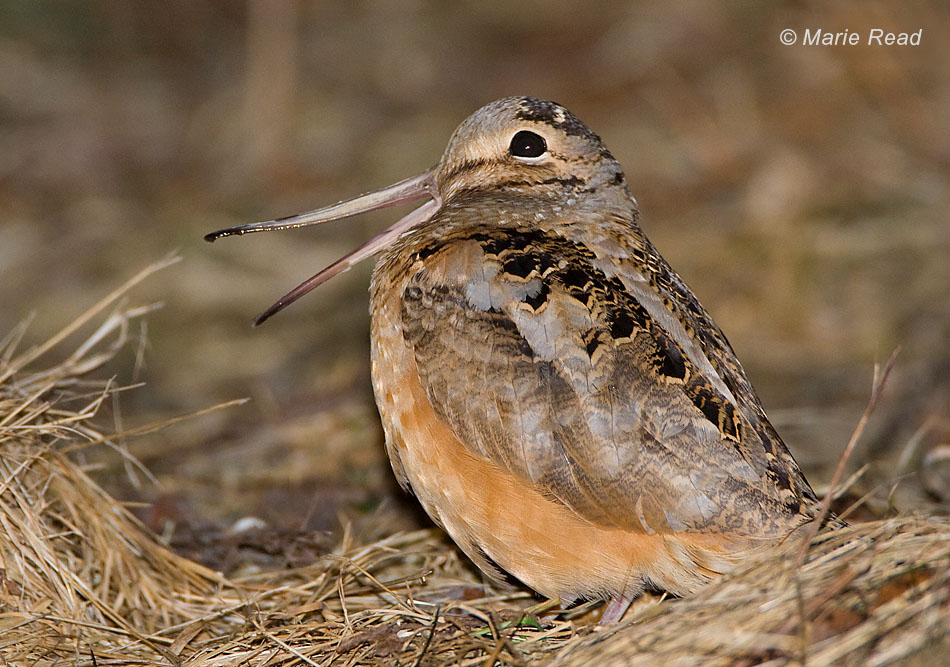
[(403, 192)]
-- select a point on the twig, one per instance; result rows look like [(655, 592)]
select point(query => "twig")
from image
[(157, 425), (31, 355), (877, 386), (425, 646)]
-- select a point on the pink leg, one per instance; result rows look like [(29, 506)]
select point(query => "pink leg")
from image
[(615, 609)]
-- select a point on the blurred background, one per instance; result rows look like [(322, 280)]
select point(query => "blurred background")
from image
[(801, 191)]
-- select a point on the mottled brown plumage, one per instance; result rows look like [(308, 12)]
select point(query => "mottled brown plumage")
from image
[(550, 389)]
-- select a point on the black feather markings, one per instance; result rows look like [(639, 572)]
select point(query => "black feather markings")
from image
[(553, 114), (537, 301), (530, 255)]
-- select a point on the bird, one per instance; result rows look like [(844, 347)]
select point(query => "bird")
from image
[(550, 389)]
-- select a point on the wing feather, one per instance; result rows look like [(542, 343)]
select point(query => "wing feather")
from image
[(546, 365)]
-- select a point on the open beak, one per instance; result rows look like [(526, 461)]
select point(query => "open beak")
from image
[(412, 189)]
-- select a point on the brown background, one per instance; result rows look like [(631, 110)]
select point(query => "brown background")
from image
[(802, 192)]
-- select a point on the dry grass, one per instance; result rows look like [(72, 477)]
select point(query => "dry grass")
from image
[(83, 582), (870, 594)]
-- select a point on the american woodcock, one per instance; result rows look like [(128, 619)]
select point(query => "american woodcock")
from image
[(550, 389)]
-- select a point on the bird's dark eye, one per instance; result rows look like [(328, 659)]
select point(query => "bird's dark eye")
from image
[(527, 144)]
